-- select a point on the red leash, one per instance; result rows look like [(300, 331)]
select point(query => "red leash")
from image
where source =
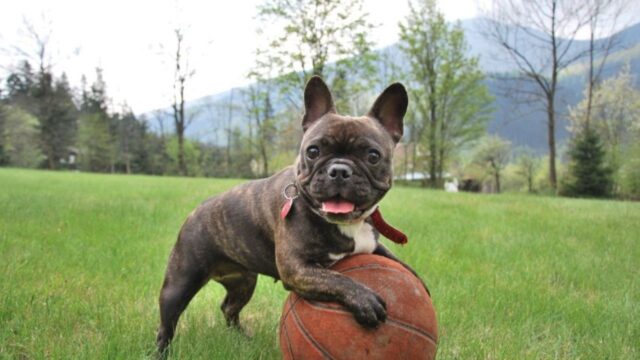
[(387, 230)]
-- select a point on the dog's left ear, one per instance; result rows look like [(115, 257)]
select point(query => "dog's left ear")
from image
[(389, 108)]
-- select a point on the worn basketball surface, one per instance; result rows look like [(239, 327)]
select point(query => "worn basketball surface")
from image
[(322, 330)]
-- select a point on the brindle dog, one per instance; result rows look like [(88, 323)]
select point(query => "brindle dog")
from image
[(343, 170)]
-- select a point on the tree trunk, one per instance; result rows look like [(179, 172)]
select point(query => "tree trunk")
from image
[(433, 150), (440, 173), (265, 162), (591, 79), (551, 96), (551, 132), (51, 163), (181, 163), (180, 79)]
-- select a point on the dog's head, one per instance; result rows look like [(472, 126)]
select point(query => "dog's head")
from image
[(344, 167)]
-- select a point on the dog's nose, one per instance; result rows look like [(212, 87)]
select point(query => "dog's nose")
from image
[(340, 171)]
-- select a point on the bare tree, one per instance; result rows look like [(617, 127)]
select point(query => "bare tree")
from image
[(182, 74), (259, 107), (527, 164), (35, 46), (603, 19), (227, 111), (525, 30), (493, 154)]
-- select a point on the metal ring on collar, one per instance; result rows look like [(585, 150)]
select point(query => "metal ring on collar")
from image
[(287, 190)]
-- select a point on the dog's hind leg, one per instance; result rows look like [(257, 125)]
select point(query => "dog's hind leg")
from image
[(179, 287), (240, 286)]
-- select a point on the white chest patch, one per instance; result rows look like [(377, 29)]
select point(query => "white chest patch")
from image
[(363, 238)]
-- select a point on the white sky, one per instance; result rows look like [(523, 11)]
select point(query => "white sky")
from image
[(126, 39)]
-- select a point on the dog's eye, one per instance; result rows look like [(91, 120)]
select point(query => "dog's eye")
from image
[(313, 152), (374, 156)]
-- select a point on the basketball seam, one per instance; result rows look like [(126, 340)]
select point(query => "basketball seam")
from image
[(372, 266), (286, 334), (284, 317), (398, 323), (413, 329), (310, 338)]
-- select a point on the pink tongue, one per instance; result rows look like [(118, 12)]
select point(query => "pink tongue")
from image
[(337, 207)]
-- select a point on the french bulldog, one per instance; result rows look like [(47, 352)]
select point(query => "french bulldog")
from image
[(293, 225)]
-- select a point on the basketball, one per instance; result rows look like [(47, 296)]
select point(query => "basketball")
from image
[(322, 330)]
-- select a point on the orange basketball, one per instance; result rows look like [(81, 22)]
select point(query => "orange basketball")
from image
[(320, 330)]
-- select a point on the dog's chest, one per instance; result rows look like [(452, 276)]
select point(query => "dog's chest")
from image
[(364, 239)]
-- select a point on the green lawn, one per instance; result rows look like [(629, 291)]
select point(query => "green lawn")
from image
[(82, 258)]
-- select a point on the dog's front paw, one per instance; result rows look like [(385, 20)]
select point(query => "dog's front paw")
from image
[(367, 307)]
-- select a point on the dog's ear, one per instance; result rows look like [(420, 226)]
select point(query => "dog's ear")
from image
[(317, 101), (389, 108)]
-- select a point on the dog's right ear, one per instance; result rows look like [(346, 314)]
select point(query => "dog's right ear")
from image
[(317, 101), (390, 108)]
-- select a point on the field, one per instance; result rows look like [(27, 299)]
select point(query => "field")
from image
[(82, 258)]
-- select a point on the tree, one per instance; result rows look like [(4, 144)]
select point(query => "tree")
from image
[(38, 38), (549, 27), (313, 33), (527, 166), (615, 110), (20, 86), (57, 117), (493, 154), (182, 73), (600, 12), (4, 157), (46, 97), (588, 175), (629, 178), (94, 143), (260, 109), (96, 134), (451, 105), (129, 141), (223, 112), (19, 138), (190, 153)]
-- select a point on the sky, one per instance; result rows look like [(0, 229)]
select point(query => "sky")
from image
[(132, 41)]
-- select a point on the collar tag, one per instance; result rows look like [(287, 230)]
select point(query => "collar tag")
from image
[(290, 193), (387, 230)]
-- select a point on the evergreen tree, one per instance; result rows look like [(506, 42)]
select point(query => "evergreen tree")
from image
[(20, 86), (97, 129), (588, 175), (57, 117)]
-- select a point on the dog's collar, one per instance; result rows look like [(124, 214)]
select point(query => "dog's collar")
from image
[(292, 192), (387, 230)]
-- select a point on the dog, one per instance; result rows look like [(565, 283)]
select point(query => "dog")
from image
[(295, 224)]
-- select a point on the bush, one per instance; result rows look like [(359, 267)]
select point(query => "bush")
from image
[(629, 176)]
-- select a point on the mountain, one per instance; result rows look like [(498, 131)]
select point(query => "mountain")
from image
[(524, 124)]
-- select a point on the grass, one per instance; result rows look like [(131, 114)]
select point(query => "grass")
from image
[(82, 258)]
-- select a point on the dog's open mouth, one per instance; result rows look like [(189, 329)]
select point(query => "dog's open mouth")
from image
[(338, 206)]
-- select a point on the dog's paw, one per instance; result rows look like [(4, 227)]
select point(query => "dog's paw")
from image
[(368, 308)]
